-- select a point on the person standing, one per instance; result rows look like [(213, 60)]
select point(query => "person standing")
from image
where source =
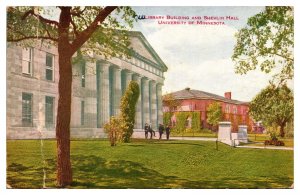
[(160, 130), (146, 128), (168, 131), (151, 131)]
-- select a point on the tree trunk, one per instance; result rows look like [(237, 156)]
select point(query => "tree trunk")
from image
[(282, 130), (64, 172)]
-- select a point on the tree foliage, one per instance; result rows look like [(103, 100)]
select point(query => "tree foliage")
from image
[(128, 108), (268, 42), (274, 105), (171, 102), (214, 113), (102, 30)]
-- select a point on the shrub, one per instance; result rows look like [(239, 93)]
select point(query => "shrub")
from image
[(274, 138), (114, 129), (128, 107)]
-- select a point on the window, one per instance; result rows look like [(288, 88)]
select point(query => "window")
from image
[(49, 111), (49, 67), (234, 110), (27, 61), (83, 75), (227, 108), (26, 109), (82, 112)]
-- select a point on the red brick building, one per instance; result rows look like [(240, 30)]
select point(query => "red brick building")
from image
[(197, 101)]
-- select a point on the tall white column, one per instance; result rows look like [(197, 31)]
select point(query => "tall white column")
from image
[(128, 78), (138, 114), (105, 92), (117, 89), (153, 105), (145, 83), (159, 103)]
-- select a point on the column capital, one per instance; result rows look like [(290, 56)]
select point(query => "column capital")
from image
[(146, 79), (118, 68), (153, 82), (105, 64), (137, 75), (159, 84), (130, 73)]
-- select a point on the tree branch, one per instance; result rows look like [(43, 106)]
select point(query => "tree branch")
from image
[(24, 36), (78, 14), (31, 37), (86, 34), (41, 18), (74, 27), (47, 31)]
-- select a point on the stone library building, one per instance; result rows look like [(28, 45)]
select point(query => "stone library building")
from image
[(98, 85)]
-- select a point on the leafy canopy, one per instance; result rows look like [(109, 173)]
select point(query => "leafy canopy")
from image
[(108, 37), (171, 102), (273, 105), (267, 42)]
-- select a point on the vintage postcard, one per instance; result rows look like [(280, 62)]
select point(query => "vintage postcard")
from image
[(150, 97)]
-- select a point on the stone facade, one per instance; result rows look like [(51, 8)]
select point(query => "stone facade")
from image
[(32, 90)]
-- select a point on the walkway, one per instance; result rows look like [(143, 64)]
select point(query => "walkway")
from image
[(244, 146), (142, 135)]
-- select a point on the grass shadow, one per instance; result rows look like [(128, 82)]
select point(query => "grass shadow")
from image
[(121, 174)]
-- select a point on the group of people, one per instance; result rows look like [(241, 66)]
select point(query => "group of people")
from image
[(161, 128), (148, 129)]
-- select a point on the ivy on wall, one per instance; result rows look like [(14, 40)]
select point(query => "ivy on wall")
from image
[(167, 118), (196, 123), (181, 121)]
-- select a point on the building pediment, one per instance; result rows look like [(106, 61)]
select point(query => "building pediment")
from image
[(142, 48)]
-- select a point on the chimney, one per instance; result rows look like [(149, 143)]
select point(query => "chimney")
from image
[(227, 95)]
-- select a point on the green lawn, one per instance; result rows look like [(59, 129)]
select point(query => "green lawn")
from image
[(151, 164)]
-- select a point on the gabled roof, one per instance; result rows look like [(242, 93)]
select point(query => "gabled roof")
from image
[(188, 93), (146, 45)]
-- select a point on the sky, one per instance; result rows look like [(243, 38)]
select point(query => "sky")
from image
[(199, 56)]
